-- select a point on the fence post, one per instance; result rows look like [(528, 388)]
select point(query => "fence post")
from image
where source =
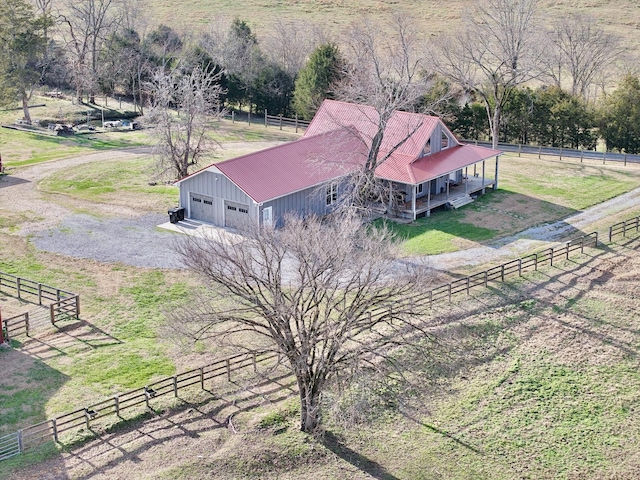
[(54, 424), (551, 250), (18, 287), (20, 441), (175, 386), (502, 272), (567, 247), (449, 292), (519, 149), (296, 123), (581, 244), (431, 299), (610, 233), (624, 228), (596, 240), (52, 314), (202, 378), (26, 323), (86, 416), (116, 402), (228, 370), (265, 117), (58, 294), (560, 153), (637, 220), (486, 276), (580, 155), (520, 267), (625, 159), (78, 307), (233, 116), (39, 294), (539, 151), (280, 121), (535, 262), (604, 157), (255, 366), (467, 285)]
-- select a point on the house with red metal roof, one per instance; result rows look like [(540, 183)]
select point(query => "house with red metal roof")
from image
[(424, 163)]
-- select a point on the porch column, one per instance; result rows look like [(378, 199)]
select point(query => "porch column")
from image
[(483, 161), (466, 179), (390, 197), (495, 183), (413, 201), (447, 188), (429, 200)]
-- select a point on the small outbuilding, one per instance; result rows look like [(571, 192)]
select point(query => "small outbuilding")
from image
[(425, 165)]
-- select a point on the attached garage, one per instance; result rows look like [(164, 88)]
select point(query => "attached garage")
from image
[(202, 208), (235, 214)]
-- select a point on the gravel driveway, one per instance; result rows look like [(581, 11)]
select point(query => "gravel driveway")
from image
[(132, 238)]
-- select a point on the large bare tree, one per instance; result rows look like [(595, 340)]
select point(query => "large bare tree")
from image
[(385, 71), (493, 53), (183, 105), (320, 293), (86, 25), (579, 51)]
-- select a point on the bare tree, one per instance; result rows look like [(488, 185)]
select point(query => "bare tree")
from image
[(86, 25), (183, 103), (581, 50), (493, 54), (385, 71), (289, 43), (317, 292)]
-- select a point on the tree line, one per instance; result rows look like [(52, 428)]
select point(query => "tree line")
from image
[(506, 78)]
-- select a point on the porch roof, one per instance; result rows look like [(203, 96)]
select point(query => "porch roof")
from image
[(412, 171)]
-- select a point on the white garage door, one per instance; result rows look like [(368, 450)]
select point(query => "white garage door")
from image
[(202, 208), (235, 214)]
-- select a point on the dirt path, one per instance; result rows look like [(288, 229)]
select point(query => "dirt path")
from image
[(536, 237)]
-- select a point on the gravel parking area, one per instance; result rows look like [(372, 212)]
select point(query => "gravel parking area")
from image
[(133, 241)]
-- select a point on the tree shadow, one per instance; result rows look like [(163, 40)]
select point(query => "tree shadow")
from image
[(366, 465)]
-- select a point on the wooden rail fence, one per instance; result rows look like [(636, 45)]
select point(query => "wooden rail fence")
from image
[(621, 228), (35, 435), (62, 303), (14, 326), (51, 429)]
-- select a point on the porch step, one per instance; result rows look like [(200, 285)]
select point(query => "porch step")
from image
[(461, 201)]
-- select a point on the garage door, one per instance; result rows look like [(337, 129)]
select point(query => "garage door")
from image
[(235, 214), (202, 208)]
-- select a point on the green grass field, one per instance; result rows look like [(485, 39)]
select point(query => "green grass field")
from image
[(534, 379)]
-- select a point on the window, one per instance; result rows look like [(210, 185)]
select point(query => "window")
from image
[(421, 188), (332, 194), (445, 141), (196, 199), (427, 148), (208, 202), (231, 207), (243, 210)]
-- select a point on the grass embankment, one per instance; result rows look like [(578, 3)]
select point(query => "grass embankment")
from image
[(522, 201)]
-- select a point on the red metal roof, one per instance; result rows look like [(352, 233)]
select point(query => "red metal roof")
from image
[(413, 171), (294, 166), (413, 128)]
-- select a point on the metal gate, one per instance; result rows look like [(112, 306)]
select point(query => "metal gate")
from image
[(10, 445)]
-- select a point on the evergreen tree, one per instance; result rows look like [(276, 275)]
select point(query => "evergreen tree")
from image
[(620, 117), (23, 47), (316, 79)]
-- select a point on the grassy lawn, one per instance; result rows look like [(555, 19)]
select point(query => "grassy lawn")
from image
[(118, 182), (522, 201)]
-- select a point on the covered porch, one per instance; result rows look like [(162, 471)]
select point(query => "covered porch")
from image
[(456, 194)]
